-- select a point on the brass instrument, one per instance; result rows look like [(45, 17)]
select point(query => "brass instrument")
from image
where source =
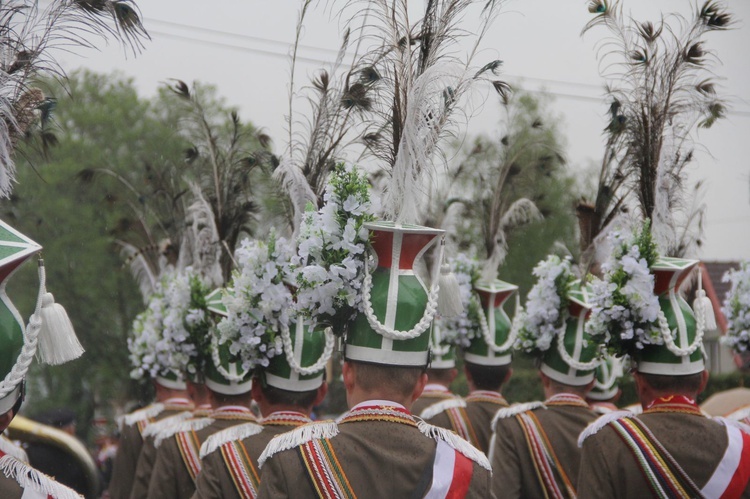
[(29, 431)]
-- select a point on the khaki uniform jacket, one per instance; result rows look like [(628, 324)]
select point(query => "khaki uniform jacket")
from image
[(380, 459), (215, 481), (170, 478), (128, 451), (513, 468), (146, 458), (481, 409), (428, 398), (609, 469)]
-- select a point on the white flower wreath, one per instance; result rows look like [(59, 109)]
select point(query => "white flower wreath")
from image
[(736, 308), (546, 306), (461, 329)]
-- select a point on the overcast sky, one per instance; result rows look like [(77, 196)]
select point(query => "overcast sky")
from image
[(242, 46)]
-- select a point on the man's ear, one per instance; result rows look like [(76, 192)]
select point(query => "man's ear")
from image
[(5, 420), (419, 388), (348, 372), (322, 392)]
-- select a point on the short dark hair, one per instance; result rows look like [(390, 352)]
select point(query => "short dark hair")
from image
[(580, 390), (440, 375), (243, 399), (690, 383), (487, 377), (277, 396), (401, 380)]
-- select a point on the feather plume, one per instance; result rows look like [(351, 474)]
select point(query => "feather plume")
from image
[(201, 247), (141, 269), (662, 95), (296, 185)]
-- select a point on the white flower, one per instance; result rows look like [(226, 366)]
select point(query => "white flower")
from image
[(736, 308)]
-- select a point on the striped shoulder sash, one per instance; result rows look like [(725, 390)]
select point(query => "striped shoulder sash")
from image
[(324, 470), (241, 468), (190, 450), (664, 476), (549, 471)]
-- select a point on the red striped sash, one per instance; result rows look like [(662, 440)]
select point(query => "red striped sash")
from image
[(243, 471), (324, 470), (190, 446)]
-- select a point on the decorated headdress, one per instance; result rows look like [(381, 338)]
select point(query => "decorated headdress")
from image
[(262, 331), (638, 310), (736, 309), (606, 379), (49, 332), (482, 330), (552, 326)]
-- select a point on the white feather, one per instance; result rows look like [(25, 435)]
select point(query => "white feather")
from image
[(140, 268), (201, 246), (294, 183), (426, 118)]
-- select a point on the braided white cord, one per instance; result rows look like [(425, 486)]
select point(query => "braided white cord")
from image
[(700, 321), (31, 335), (286, 340), (484, 326), (217, 362), (390, 333), (575, 364)]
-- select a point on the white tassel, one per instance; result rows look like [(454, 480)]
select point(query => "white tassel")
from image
[(703, 305), (449, 297), (184, 426), (148, 412), (58, 343)]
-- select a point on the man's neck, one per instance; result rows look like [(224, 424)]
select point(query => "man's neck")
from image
[(268, 409), (355, 397)]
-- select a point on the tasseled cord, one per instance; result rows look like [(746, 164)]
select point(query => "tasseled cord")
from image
[(702, 303), (58, 343), (449, 298)]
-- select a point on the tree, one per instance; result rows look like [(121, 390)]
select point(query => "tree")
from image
[(102, 124)]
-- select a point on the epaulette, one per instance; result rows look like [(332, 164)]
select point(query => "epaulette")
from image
[(157, 426), (456, 442), (7, 446), (30, 479), (230, 434), (515, 409), (733, 422), (187, 425), (317, 430), (148, 412), (433, 410), (594, 427), (739, 414)]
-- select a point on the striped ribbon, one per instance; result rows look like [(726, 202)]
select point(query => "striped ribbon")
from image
[(241, 468), (325, 470), (548, 468), (190, 450), (460, 423), (665, 477)]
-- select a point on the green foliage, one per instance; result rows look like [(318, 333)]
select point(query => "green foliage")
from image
[(64, 204)]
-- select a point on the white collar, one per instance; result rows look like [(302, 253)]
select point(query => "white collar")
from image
[(368, 403)]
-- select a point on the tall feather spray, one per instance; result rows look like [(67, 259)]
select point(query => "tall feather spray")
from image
[(416, 85), (662, 90), (30, 35)]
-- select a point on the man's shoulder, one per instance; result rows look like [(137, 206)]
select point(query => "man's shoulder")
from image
[(506, 414)]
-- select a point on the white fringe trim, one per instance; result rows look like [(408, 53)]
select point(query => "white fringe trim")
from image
[(297, 437), (29, 478), (732, 422), (507, 412), (456, 442), (187, 425), (151, 411), (433, 410), (7, 446), (231, 434), (601, 410), (601, 422), (157, 426)]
